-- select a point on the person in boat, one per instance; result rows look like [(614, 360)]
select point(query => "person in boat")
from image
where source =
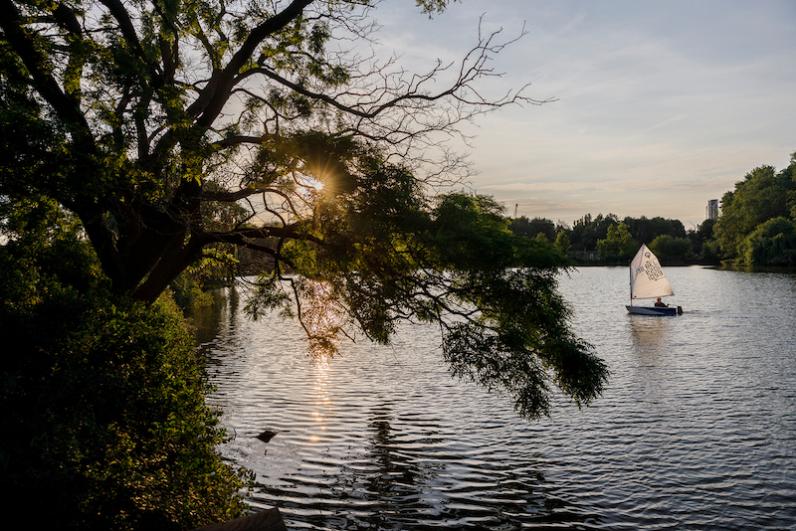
[(660, 304)]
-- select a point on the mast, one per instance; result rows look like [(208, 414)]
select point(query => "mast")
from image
[(630, 272)]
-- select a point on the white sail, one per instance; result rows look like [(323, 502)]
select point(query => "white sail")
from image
[(647, 280)]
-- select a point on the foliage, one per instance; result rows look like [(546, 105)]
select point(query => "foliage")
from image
[(618, 245), (704, 247), (671, 250), (582, 240), (762, 195), (645, 229), (522, 226), (772, 243), (562, 242), (192, 288), (711, 252), (103, 397), (587, 230)]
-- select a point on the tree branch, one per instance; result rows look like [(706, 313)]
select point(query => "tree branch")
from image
[(73, 72), (122, 17), (231, 197), (40, 70), (216, 93), (288, 231)]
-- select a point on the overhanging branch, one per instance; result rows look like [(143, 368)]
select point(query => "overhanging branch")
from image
[(287, 232)]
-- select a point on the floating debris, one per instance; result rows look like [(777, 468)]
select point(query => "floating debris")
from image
[(266, 436)]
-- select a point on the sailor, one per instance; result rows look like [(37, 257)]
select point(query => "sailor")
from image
[(660, 304)]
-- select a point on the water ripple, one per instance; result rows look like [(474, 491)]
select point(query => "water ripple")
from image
[(697, 429)]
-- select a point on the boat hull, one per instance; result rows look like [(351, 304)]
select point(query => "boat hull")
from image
[(653, 310)]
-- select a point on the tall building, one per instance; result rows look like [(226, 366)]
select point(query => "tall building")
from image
[(712, 210)]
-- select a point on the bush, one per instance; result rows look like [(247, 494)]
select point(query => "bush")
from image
[(105, 421), (772, 243)]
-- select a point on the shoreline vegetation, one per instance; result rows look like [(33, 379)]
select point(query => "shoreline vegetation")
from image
[(755, 231)]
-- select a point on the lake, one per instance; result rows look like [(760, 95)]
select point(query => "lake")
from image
[(696, 430)]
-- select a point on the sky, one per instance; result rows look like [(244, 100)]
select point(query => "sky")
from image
[(659, 106)]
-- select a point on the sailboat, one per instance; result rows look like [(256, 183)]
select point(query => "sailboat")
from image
[(647, 281)]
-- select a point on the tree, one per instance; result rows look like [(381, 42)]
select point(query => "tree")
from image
[(139, 118), (533, 227), (703, 245), (671, 249), (645, 230), (772, 243), (562, 241), (586, 231), (103, 397), (762, 195), (618, 245)]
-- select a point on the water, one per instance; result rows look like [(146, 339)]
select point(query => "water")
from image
[(697, 429)]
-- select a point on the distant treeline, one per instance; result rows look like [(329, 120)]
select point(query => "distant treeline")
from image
[(609, 240), (756, 228)]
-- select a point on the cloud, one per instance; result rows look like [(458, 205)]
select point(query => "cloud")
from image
[(662, 106)]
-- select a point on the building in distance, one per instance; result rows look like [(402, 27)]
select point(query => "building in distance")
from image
[(712, 210)]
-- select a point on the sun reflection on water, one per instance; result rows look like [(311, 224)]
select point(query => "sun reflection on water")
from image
[(322, 401)]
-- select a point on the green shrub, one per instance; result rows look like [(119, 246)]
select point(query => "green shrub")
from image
[(772, 243), (105, 423)]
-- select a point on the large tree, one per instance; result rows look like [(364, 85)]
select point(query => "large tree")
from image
[(618, 244), (145, 118), (763, 194)]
